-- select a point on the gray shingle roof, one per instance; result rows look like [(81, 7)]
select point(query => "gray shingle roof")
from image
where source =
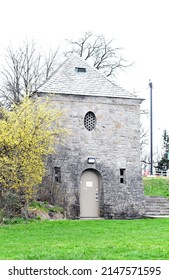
[(66, 80)]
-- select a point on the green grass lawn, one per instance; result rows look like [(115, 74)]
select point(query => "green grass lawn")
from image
[(145, 239), (156, 186), (86, 240)]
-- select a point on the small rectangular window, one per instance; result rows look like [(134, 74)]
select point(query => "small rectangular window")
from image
[(57, 174), (122, 176), (80, 69)]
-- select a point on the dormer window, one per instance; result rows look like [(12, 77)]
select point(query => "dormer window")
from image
[(80, 70)]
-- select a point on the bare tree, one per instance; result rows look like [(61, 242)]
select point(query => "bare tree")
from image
[(143, 137), (50, 63), (25, 69), (102, 55)]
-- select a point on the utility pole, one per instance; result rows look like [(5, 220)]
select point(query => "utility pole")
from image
[(151, 128)]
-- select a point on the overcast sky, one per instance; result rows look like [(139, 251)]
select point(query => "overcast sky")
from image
[(138, 26)]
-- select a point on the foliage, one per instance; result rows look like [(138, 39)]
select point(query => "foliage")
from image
[(11, 203), (156, 186), (163, 164), (145, 239), (27, 134), (17, 220), (44, 206), (1, 215)]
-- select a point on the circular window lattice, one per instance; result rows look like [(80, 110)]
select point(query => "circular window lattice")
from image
[(90, 121)]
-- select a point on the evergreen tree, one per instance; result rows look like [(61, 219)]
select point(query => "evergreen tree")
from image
[(163, 164)]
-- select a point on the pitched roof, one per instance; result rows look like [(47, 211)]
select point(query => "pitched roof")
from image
[(67, 80)]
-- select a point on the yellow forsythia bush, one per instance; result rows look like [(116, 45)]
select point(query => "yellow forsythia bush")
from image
[(27, 134)]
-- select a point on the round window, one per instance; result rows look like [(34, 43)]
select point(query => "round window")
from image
[(90, 121)]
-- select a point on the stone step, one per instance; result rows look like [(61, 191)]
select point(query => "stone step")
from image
[(157, 202), (156, 216), (156, 206), (157, 210), (160, 200)]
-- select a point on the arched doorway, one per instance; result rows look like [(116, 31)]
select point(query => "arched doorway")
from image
[(89, 194)]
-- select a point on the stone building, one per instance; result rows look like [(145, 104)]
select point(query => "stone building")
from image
[(97, 172)]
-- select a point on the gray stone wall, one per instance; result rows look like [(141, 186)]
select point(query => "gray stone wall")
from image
[(115, 143)]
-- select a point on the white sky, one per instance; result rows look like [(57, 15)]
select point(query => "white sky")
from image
[(139, 26)]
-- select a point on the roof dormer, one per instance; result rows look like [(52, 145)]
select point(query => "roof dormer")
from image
[(80, 69)]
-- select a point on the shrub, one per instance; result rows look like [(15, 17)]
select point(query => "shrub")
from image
[(11, 203)]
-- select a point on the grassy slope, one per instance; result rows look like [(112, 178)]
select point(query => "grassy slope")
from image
[(156, 186), (75, 240)]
